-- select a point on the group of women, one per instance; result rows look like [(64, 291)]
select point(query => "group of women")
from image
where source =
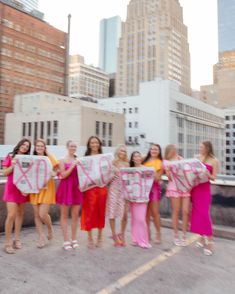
[(98, 202)]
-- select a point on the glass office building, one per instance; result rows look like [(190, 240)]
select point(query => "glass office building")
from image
[(110, 32), (226, 25)]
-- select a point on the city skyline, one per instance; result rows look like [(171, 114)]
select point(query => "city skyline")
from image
[(85, 30)]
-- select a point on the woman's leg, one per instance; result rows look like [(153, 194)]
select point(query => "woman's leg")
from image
[(11, 216), (39, 226), (18, 224), (64, 221), (154, 208), (124, 221), (175, 203), (74, 220), (148, 216), (185, 214), (46, 219), (90, 244)]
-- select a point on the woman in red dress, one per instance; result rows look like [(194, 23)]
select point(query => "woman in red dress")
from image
[(94, 201)]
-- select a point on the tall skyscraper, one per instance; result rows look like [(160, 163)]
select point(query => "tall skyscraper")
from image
[(154, 43), (226, 25), (32, 57), (110, 32)]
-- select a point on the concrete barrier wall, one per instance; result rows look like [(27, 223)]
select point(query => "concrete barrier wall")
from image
[(223, 207)]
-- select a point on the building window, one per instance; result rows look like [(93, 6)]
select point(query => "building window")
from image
[(233, 151), (104, 129), (227, 126), (228, 151), (35, 131), (136, 124), (55, 127), (180, 138), (136, 110), (97, 128), (227, 142), (227, 134), (29, 129), (227, 159), (55, 141), (110, 129), (233, 117), (124, 110), (48, 141), (227, 117), (137, 140), (48, 128), (130, 125), (41, 129), (227, 167), (24, 130), (130, 139), (103, 143), (110, 143), (130, 110)]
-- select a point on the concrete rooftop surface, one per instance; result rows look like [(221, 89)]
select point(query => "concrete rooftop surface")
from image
[(164, 269)]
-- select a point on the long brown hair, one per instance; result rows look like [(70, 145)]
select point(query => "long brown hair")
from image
[(44, 143), (132, 164), (209, 148), (19, 144), (88, 149), (148, 156)]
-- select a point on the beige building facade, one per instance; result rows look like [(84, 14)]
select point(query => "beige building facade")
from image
[(86, 80), (154, 43), (57, 119), (222, 92)]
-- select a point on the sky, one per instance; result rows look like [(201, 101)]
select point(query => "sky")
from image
[(200, 16)]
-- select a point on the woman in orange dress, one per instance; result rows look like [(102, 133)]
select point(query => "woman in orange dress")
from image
[(154, 159), (94, 201), (41, 201)]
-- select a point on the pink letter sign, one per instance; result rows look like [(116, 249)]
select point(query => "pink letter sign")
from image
[(95, 171), (31, 173), (137, 183), (186, 173)]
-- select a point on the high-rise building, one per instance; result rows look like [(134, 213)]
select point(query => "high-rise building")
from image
[(110, 32), (154, 43), (32, 57), (226, 25), (86, 80)]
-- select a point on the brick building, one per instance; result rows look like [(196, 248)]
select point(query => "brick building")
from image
[(32, 57)]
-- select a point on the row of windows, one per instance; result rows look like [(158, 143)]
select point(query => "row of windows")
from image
[(229, 159), (131, 110), (198, 113), (31, 32), (228, 126), (103, 129), (133, 124), (230, 117), (228, 151), (47, 130)]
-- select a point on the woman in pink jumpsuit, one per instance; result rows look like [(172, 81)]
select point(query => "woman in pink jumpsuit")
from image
[(139, 228)]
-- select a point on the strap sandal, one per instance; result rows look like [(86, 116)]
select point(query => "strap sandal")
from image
[(177, 241), (67, 246), (17, 244), (75, 244), (9, 249)]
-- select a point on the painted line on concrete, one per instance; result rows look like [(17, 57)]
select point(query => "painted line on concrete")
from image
[(130, 277)]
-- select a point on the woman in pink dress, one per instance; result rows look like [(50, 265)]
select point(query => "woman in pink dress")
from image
[(116, 204), (68, 194), (201, 200), (14, 199), (154, 159), (179, 201), (139, 228)]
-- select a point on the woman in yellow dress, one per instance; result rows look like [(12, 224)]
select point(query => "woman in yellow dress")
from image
[(41, 202), (154, 159)]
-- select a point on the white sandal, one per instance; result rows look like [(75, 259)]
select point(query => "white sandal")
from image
[(74, 244), (67, 246), (207, 251), (177, 241)]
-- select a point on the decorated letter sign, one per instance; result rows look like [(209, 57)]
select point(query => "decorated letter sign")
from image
[(186, 174), (95, 171), (137, 183), (31, 173)]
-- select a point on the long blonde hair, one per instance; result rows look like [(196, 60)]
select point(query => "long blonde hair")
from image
[(169, 148), (116, 157)]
